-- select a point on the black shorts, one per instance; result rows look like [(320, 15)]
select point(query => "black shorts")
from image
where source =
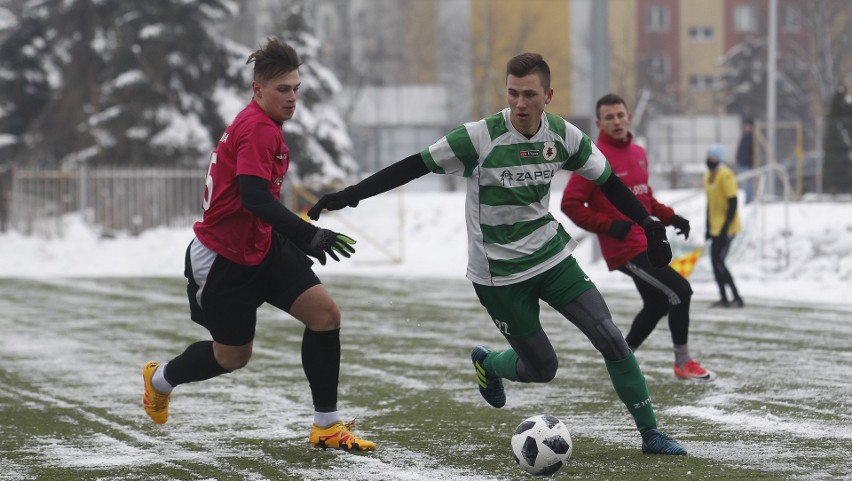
[(231, 293)]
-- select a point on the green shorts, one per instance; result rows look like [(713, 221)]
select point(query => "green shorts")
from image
[(515, 308)]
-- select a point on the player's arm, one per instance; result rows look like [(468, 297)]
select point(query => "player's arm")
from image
[(729, 188), (391, 177), (729, 215), (667, 215), (314, 241), (659, 250), (624, 200), (574, 204)]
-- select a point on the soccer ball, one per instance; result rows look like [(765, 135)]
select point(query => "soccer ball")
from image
[(541, 445)]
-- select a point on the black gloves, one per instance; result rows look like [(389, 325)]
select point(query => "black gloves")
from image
[(681, 225), (326, 241), (659, 250), (334, 201), (619, 228), (723, 232)]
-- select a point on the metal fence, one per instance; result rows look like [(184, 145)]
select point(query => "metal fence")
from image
[(112, 199)]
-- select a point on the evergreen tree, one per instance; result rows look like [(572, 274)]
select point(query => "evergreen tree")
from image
[(115, 82), (319, 142), (837, 166), (743, 86)]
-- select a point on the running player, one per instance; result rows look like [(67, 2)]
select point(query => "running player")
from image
[(518, 253), (622, 242), (250, 249)]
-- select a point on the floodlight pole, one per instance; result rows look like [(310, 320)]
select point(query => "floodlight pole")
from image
[(771, 74)]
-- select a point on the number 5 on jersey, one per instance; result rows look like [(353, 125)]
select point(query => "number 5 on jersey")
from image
[(208, 186)]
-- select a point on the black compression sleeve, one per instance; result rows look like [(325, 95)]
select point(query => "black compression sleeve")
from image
[(624, 200), (255, 196), (391, 177), (732, 209)]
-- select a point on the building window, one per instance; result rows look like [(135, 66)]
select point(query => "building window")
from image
[(658, 67), (656, 19), (745, 19), (791, 18), (701, 82), (701, 34)]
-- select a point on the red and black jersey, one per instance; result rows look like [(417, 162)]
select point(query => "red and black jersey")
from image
[(252, 145), (588, 207)]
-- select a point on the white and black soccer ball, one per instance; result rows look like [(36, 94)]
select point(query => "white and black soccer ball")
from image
[(542, 445)]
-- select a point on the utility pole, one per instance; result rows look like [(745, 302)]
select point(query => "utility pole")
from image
[(771, 74)]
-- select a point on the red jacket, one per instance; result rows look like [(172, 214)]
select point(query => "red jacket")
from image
[(585, 204)]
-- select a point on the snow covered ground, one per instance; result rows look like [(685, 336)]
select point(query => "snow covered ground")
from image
[(800, 251)]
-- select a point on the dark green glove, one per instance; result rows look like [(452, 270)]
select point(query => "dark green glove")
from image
[(329, 242)]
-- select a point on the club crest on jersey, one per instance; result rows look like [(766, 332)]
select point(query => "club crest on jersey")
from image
[(549, 150)]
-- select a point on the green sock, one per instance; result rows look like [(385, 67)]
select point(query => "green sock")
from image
[(629, 384), (503, 364)]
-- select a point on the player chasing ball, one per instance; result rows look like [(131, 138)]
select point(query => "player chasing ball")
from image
[(518, 253)]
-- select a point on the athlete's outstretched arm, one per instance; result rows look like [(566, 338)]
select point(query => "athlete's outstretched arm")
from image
[(313, 241), (659, 250), (623, 199), (390, 177)]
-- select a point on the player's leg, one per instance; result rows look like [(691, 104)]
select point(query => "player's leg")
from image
[(718, 247), (222, 298), (667, 287), (514, 309), (591, 315), (589, 312), (737, 301), (655, 304), (583, 305), (294, 288)]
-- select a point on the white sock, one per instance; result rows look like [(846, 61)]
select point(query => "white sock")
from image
[(159, 381), (325, 420)]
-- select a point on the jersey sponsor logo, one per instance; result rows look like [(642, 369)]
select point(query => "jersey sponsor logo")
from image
[(507, 177), (279, 181), (224, 137), (537, 175), (282, 155), (530, 153), (640, 189)]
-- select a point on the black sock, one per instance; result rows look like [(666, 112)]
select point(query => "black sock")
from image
[(196, 363), (321, 362)]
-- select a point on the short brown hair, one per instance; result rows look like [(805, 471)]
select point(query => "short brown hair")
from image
[(276, 58), (529, 63), (609, 99)]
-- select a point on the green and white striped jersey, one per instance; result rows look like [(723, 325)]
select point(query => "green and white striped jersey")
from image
[(512, 236)]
